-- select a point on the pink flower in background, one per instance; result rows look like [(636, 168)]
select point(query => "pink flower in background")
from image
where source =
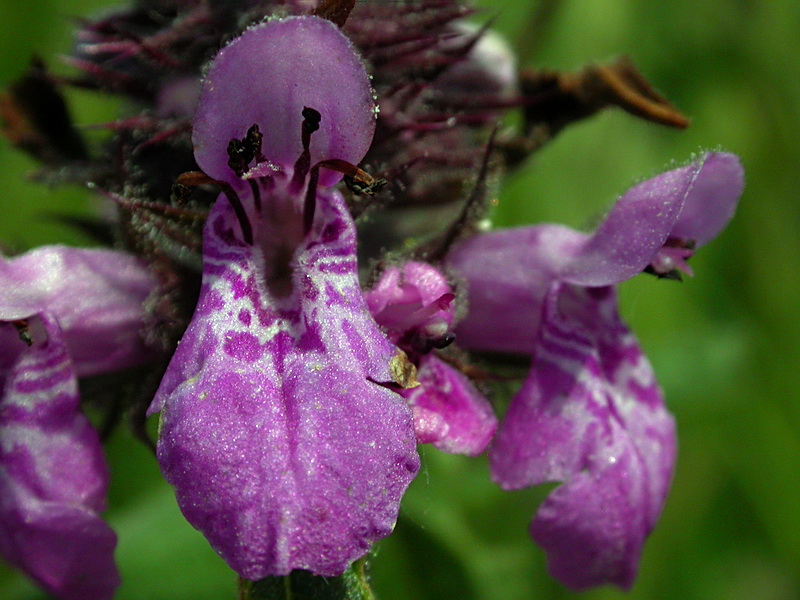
[(590, 414), (64, 312)]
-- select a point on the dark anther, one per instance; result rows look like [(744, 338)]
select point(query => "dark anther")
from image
[(253, 139), (676, 242), (444, 341), (195, 178), (424, 345), (242, 152), (21, 326), (675, 252), (673, 275), (311, 119), (366, 186), (237, 154), (180, 194)]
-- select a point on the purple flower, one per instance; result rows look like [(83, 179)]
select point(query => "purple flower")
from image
[(414, 304), (590, 413), (285, 445), (63, 313)]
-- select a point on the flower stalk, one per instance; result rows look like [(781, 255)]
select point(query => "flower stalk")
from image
[(353, 584)]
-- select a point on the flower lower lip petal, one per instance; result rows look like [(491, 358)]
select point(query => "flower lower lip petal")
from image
[(282, 450), (52, 473), (590, 382)]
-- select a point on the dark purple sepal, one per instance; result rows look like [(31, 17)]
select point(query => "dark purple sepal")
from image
[(284, 445), (590, 415), (53, 477)]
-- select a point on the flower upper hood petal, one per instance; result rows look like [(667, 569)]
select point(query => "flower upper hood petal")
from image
[(95, 295), (266, 77), (508, 272), (695, 201)]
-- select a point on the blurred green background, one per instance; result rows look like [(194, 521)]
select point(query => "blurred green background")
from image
[(725, 344)]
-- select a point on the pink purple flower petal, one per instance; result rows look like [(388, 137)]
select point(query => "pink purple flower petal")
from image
[(693, 202), (53, 478), (265, 77), (590, 415), (449, 412), (64, 313), (95, 295), (283, 446), (414, 304), (508, 272), (712, 201), (412, 301)]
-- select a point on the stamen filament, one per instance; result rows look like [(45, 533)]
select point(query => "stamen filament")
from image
[(256, 194), (310, 203), (360, 182), (311, 119), (195, 178)]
